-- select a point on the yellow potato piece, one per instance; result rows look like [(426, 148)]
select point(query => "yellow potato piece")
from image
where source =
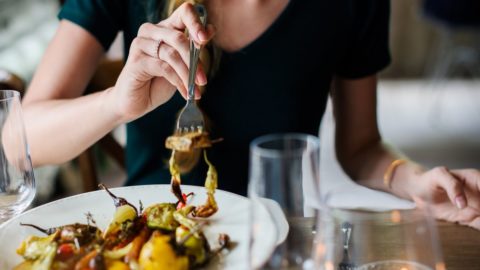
[(117, 265), (158, 254)]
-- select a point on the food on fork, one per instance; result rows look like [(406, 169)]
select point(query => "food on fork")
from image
[(187, 142), (190, 142)]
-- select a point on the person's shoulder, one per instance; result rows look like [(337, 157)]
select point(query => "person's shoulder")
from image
[(94, 7), (102, 18)]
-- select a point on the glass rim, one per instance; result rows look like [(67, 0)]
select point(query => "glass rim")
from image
[(8, 94), (255, 145)]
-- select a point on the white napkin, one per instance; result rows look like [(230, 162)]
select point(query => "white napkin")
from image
[(352, 196)]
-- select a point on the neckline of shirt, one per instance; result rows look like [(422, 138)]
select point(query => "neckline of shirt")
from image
[(250, 46)]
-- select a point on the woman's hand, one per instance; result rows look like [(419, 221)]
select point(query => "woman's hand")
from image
[(452, 195), (158, 63)]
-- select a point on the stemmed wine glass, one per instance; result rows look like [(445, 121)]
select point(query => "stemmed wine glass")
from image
[(17, 182), (283, 183)]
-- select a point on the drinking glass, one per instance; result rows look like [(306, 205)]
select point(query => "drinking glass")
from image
[(283, 185), (17, 182), (365, 240)]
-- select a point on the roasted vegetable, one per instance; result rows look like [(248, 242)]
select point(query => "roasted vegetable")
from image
[(137, 244), (175, 181), (211, 182), (79, 233), (124, 212), (116, 265), (195, 245), (159, 254), (186, 142), (163, 236), (34, 247), (160, 216), (39, 251), (181, 216), (92, 261)]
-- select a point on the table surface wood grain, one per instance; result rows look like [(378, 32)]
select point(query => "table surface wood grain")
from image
[(460, 246)]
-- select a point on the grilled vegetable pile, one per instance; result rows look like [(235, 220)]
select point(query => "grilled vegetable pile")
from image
[(163, 236)]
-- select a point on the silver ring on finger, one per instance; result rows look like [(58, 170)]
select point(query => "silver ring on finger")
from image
[(158, 43)]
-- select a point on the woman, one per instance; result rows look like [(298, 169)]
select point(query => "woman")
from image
[(278, 60)]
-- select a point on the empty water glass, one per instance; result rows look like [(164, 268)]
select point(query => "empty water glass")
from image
[(17, 182), (283, 186)]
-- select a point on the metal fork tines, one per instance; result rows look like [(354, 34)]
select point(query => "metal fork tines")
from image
[(191, 118), (346, 263)]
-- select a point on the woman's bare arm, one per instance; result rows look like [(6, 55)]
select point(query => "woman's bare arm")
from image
[(452, 195), (358, 142), (60, 123)]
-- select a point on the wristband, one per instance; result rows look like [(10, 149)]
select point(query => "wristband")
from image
[(387, 177)]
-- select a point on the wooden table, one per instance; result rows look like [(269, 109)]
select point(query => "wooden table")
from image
[(461, 246)]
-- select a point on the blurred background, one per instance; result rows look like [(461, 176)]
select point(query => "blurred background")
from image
[(428, 105)]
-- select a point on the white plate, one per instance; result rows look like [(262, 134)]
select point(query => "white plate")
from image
[(232, 219)]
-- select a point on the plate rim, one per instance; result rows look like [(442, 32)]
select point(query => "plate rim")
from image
[(90, 193)]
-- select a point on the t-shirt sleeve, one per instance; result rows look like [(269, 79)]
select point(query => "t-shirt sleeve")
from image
[(102, 18), (368, 47)]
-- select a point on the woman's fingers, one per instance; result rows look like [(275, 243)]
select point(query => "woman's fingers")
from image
[(471, 178), (152, 39), (453, 186), (185, 17), (169, 49), (171, 37), (170, 55), (164, 52), (154, 67), (200, 77)]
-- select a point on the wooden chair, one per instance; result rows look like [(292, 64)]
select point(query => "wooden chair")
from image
[(10, 81)]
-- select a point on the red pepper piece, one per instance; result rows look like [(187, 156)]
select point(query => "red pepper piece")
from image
[(180, 205), (65, 251)]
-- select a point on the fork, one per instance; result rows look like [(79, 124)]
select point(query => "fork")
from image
[(191, 118), (346, 263)]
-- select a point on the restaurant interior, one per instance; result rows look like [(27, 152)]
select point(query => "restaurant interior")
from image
[(428, 101)]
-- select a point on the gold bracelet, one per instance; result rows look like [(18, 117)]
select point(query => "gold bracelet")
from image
[(387, 177)]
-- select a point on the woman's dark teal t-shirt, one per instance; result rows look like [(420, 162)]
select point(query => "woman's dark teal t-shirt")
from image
[(278, 83)]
